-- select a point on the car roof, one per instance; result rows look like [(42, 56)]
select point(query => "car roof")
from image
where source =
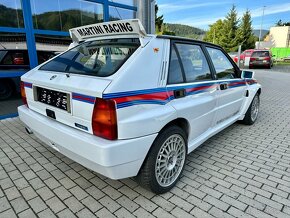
[(179, 38)]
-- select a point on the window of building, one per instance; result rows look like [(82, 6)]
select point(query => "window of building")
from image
[(62, 15), (223, 67), (11, 13), (194, 62), (116, 13)]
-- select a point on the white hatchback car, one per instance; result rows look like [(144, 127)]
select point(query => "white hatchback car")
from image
[(124, 103)]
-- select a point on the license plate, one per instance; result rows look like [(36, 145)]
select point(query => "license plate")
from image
[(53, 98)]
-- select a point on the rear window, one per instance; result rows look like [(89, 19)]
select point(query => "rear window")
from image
[(257, 54), (95, 58)]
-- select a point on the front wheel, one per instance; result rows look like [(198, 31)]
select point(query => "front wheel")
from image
[(253, 111), (165, 161)]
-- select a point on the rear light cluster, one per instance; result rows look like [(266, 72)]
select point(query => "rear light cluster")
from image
[(23, 94), (104, 120)]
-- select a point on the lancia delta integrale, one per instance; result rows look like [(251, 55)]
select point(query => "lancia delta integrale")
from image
[(127, 104)]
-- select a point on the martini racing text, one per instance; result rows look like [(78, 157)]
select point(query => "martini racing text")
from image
[(106, 28)]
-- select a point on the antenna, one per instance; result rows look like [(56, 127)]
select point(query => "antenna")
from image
[(117, 11)]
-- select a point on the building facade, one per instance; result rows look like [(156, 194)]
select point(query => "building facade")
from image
[(280, 36)]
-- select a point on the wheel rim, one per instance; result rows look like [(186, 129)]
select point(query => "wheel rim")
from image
[(170, 160), (255, 108)]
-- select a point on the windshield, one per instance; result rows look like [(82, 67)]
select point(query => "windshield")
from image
[(97, 58)]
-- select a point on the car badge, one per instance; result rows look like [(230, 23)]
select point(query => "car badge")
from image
[(51, 78)]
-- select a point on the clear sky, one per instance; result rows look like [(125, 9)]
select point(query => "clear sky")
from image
[(202, 13)]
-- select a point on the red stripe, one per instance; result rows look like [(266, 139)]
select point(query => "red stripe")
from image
[(200, 88), (237, 83), (153, 96), (83, 98)]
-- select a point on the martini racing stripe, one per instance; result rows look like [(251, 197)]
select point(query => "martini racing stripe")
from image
[(161, 96), (83, 98)]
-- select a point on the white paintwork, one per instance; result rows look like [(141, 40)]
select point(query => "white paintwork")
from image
[(207, 112), (247, 61)]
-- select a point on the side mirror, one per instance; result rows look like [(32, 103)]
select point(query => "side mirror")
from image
[(247, 74)]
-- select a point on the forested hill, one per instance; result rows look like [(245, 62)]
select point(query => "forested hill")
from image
[(185, 30)]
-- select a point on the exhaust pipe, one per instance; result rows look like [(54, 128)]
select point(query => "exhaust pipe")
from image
[(28, 130)]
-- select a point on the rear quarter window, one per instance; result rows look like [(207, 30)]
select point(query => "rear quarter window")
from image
[(100, 58)]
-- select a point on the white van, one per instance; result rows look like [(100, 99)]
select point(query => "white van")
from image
[(124, 103)]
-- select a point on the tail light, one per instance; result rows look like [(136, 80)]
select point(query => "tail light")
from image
[(252, 59), (267, 58), (23, 94), (104, 120)]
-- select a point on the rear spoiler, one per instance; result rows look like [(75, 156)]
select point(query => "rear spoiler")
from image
[(120, 27)]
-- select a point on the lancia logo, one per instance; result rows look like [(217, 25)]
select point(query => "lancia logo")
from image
[(51, 78)]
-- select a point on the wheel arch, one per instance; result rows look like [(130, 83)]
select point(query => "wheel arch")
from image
[(180, 122)]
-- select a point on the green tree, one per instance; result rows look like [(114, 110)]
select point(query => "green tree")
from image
[(215, 32), (229, 39), (158, 20), (245, 32)]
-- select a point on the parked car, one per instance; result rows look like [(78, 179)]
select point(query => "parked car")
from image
[(142, 108), (261, 58), (12, 60), (246, 53)]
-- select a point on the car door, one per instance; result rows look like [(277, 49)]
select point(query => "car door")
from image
[(232, 89), (192, 88)]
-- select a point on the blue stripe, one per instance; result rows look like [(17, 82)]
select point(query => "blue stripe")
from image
[(137, 102), (155, 90), (132, 93), (82, 100), (84, 96)]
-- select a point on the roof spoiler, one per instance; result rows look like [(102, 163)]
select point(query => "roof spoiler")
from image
[(120, 27)]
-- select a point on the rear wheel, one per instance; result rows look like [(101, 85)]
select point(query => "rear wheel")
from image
[(6, 90), (165, 161), (253, 111)]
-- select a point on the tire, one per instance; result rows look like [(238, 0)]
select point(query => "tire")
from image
[(252, 112), (6, 90), (150, 174)]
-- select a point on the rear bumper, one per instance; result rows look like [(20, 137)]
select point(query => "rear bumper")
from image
[(115, 159)]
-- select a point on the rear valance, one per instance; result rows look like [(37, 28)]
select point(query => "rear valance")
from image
[(121, 27)]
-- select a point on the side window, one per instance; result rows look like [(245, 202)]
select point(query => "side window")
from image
[(175, 73), (194, 62), (223, 67)]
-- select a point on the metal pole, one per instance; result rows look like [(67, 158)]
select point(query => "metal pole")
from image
[(239, 55), (260, 35)]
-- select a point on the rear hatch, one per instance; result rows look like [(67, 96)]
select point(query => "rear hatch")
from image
[(66, 87), (260, 57)]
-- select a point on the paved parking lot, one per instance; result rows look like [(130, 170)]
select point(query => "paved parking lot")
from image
[(242, 172)]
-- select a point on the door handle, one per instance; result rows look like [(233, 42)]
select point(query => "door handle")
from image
[(180, 93), (223, 86)]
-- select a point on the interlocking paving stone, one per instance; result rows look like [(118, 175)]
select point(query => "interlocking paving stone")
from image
[(241, 172)]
